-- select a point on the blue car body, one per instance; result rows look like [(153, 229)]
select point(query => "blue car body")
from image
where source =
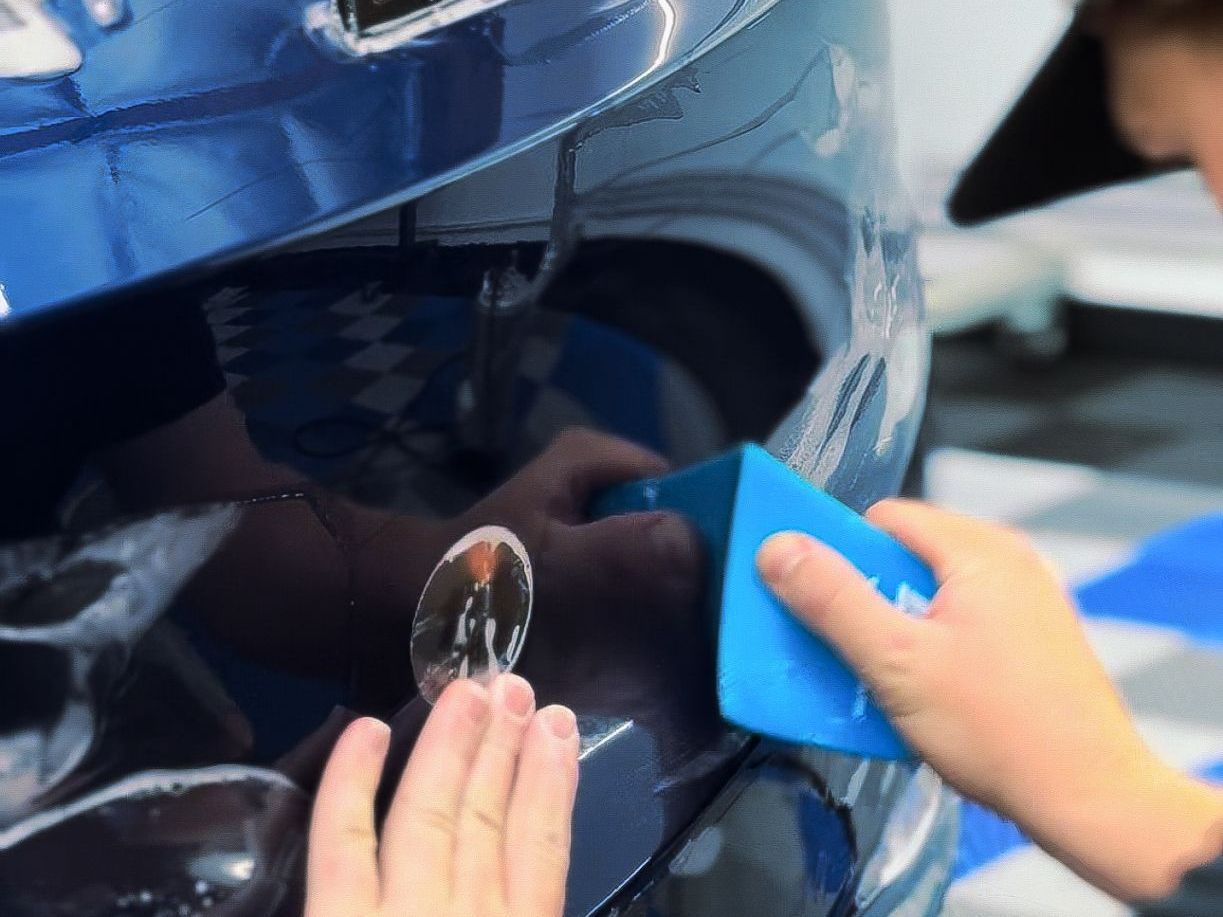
[(700, 183)]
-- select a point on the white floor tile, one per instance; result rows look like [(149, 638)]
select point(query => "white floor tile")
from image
[(1080, 558), (370, 328), (1125, 647), (358, 304), (1003, 489), (1185, 746), (378, 357), (389, 394), (1027, 883)]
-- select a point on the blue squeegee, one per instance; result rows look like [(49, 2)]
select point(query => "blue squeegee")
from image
[(774, 677)]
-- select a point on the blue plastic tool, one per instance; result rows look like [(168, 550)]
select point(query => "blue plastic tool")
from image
[(774, 677)]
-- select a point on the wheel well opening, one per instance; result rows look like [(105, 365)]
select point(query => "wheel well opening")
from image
[(726, 321)]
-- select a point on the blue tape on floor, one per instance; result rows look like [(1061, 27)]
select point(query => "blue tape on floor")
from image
[(1214, 773), (1175, 581), (984, 837)]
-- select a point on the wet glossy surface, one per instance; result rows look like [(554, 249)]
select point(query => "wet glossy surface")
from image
[(70, 617), (398, 384), (282, 134), (162, 844)]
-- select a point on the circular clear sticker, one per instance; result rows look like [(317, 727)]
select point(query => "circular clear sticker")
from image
[(473, 615)]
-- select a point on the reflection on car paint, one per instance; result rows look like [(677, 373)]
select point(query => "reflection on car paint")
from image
[(222, 840), (598, 731), (70, 615), (776, 813), (265, 121), (906, 834), (826, 443), (108, 14), (361, 28), (33, 45), (644, 120)]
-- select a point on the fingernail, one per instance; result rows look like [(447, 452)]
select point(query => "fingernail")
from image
[(780, 554), (560, 721), (671, 540), (475, 702), (375, 734), (514, 694)]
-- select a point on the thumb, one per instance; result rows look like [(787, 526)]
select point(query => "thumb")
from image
[(828, 594)]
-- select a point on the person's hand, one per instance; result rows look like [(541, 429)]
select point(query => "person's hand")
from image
[(615, 560), (616, 599), (998, 689), (480, 824), (597, 582), (546, 505)]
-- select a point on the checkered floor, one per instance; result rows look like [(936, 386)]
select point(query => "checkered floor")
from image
[(1088, 522), (353, 386), (1070, 456), (362, 389), (1132, 415)]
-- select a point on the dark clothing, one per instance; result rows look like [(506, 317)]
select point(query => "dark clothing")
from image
[(1059, 140), (1200, 895), (84, 380)]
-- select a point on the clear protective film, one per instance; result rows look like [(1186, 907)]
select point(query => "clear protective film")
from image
[(474, 612)]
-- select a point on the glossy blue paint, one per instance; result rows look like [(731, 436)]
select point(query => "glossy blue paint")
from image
[(195, 134), (199, 132)]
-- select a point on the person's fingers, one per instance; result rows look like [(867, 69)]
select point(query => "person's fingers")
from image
[(540, 826), (342, 871), (946, 541), (418, 838), (631, 555), (587, 461), (828, 594), (479, 854)]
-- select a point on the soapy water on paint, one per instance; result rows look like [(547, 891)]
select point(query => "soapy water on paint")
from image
[(96, 598), (908, 599), (912, 603), (154, 819), (162, 904)]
